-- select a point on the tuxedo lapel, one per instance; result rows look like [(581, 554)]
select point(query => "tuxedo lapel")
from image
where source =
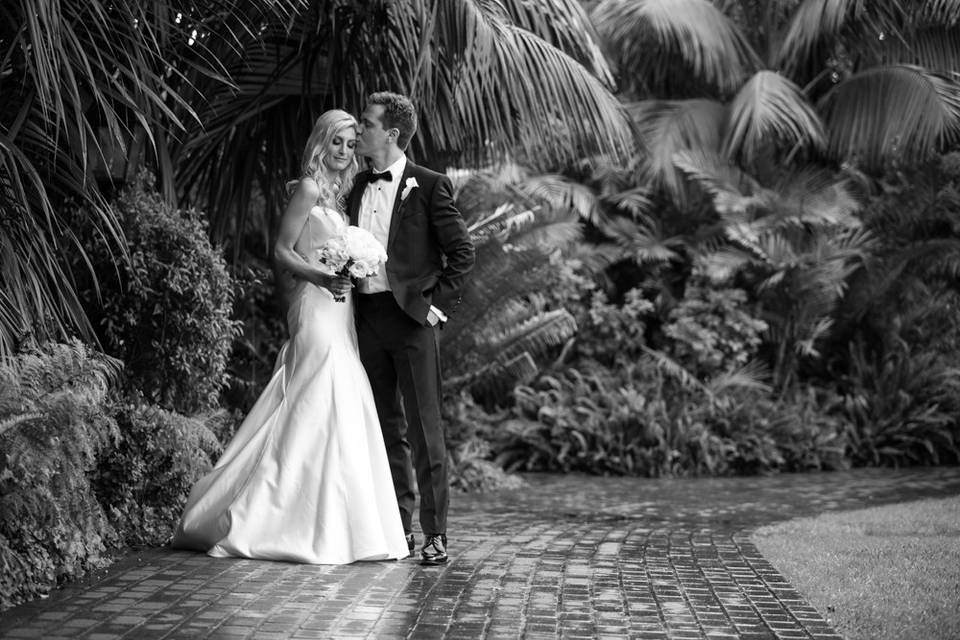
[(356, 197), (398, 203)]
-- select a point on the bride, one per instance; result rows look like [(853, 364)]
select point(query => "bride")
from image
[(306, 477)]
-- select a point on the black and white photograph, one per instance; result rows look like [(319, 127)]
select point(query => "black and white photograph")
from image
[(480, 319)]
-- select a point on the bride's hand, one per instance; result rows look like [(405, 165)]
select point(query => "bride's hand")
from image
[(337, 285)]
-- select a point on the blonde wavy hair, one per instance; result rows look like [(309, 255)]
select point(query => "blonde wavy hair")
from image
[(325, 129)]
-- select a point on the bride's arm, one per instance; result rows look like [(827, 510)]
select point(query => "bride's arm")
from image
[(291, 225)]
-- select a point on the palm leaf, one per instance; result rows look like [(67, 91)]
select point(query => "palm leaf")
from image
[(644, 241), (753, 375), (770, 107), (565, 25), (80, 78), (645, 33), (734, 191), (721, 265), (526, 331), (944, 12), (817, 25), (485, 88), (667, 128), (563, 193), (675, 370), (934, 47), (894, 112), (812, 195), (495, 104)]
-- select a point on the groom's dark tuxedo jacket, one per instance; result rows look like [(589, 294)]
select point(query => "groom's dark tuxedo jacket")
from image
[(429, 252)]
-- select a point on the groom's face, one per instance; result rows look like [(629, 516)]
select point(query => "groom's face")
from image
[(372, 138)]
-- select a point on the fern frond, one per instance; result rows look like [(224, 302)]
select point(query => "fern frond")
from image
[(676, 370), (753, 375), (643, 241), (493, 384), (564, 194), (538, 334), (16, 420)]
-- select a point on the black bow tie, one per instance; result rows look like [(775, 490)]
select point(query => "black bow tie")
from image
[(386, 176)]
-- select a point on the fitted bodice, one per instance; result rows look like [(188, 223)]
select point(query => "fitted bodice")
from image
[(322, 224)]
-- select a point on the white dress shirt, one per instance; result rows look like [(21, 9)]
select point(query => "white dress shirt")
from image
[(376, 209)]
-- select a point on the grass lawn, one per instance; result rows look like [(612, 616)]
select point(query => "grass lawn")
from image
[(885, 573)]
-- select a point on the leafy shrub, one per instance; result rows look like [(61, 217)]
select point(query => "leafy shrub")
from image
[(903, 408), (638, 421), (54, 424), (614, 335), (593, 421), (798, 433), (144, 481), (264, 330), (711, 332), (167, 316), (470, 454), (569, 285)]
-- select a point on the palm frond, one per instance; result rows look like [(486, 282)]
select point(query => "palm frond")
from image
[(934, 259), (81, 79), (694, 32), (935, 47), (506, 352), (498, 278), (944, 12), (563, 193), (812, 195), (893, 112), (813, 22), (721, 265), (817, 25), (675, 370), (734, 191), (667, 128), (753, 375), (485, 86), (565, 25), (545, 236), (480, 109), (538, 333), (635, 201), (769, 107), (643, 241)]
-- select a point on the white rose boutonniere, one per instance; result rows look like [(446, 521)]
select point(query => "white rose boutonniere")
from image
[(408, 186)]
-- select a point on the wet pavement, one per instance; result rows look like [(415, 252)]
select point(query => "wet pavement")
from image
[(565, 557)]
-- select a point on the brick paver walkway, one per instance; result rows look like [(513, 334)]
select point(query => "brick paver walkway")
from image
[(566, 557)]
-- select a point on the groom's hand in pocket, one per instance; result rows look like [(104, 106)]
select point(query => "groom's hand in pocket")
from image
[(435, 317)]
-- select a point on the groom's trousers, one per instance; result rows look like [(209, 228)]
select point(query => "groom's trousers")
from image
[(402, 360)]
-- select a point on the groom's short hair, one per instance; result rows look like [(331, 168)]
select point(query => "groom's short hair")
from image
[(398, 113)]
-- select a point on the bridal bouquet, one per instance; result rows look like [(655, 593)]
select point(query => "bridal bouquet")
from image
[(354, 253)]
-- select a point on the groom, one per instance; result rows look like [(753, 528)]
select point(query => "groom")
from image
[(399, 311)]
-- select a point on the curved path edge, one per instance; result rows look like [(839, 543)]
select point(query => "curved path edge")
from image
[(567, 556)]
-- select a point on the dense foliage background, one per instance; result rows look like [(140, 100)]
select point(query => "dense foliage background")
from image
[(714, 237)]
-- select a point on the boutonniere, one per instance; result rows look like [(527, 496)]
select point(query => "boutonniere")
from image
[(408, 186)]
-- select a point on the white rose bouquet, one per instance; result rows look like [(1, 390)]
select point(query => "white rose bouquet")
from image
[(354, 253)]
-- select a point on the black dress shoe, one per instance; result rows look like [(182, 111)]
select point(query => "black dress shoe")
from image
[(411, 542), (434, 549)]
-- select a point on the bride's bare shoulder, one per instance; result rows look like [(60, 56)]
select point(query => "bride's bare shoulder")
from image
[(308, 186)]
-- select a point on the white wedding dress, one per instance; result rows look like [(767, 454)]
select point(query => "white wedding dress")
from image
[(305, 478)]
